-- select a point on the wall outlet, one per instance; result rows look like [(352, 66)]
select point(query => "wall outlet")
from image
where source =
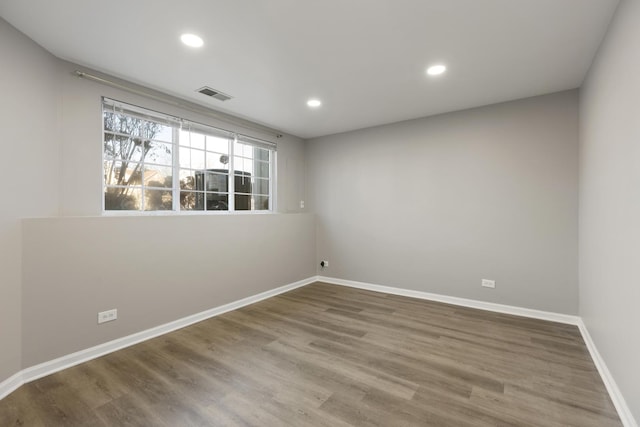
[(488, 283), (301, 204), (324, 264), (107, 316)]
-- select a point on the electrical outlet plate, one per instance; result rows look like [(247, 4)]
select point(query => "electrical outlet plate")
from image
[(486, 283), (107, 316)]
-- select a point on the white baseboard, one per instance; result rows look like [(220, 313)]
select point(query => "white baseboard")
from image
[(47, 368), (10, 384), (614, 392), (489, 306), (43, 369)]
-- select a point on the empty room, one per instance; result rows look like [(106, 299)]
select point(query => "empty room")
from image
[(336, 213)]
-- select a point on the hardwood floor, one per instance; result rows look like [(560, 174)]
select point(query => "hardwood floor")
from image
[(326, 355)]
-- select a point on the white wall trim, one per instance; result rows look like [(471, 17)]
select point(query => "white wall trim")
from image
[(47, 368), (10, 384), (43, 369), (614, 392), (489, 306)]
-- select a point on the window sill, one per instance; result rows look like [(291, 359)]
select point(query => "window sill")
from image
[(183, 213)]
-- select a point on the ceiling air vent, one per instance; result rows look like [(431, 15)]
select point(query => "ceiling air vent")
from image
[(214, 93)]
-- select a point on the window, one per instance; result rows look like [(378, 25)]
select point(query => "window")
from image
[(154, 162)]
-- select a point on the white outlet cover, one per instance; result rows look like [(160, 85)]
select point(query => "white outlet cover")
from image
[(107, 316), (488, 283)]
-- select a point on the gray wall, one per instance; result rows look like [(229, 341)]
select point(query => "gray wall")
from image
[(152, 269), (57, 272), (610, 201), (437, 204), (29, 171)]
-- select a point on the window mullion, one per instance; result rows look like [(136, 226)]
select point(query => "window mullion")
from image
[(176, 168), (271, 172), (231, 179), (143, 187)]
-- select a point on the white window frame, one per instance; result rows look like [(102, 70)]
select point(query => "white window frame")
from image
[(177, 123)]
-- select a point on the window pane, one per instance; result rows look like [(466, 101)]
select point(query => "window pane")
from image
[(261, 203), (213, 181), (260, 186), (191, 201), (217, 161), (122, 199), (217, 144), (192, 159), (158, 200), (243, 202), (158, 176), (121, 123), (242, 150), (121, 147), (251, 202), (217, 201), (122, 173), (260, 154), (195, 201), (111, 145), (187, 179), (135, 127), (159, 153), (261, 169), (183, 138), (159, 132), (243, 164), (184, 154), (197, 159), (192, 139), (108, 118), (242, 182)]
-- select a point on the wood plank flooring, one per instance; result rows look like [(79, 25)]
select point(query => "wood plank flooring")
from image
[(326, 355)]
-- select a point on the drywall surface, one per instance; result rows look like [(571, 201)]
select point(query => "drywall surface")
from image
[(29, 172), (440, 203), (610, 201), (152, 269)]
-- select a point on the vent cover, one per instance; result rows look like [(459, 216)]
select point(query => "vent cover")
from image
[(214, 93)]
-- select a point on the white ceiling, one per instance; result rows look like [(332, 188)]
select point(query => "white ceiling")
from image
[(365, 59)]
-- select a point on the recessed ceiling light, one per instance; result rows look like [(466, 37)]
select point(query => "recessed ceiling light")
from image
[(191, 40), (314, 103), (436, 70)]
